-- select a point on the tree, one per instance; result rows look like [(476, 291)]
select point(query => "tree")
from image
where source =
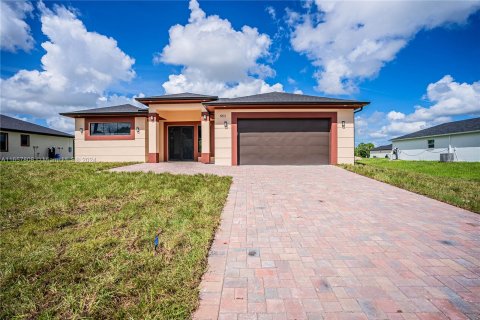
[(363, 150)]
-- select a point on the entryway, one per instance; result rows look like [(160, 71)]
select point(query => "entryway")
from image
[(181, 143)]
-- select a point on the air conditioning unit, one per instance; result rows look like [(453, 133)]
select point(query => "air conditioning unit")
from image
[(446, 157)]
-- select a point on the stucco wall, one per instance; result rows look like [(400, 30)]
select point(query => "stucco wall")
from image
[(63, 146), (466, 147), (223, 137), (112, 150)]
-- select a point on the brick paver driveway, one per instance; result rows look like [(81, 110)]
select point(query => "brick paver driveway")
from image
[(319, 242)]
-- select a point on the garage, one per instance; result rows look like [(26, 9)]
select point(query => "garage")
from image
[(302, 141)]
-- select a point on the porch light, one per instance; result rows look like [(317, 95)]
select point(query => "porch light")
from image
[(138, 129), (343, 124), (225, 124), (205, 117), (81, 130)]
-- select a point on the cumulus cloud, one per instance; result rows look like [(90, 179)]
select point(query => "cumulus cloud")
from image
[(351, 41), (77, 69), (216, 58), (14, 31), (447, 99)]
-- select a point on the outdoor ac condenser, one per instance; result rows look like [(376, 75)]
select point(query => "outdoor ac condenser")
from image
[(446, 157)]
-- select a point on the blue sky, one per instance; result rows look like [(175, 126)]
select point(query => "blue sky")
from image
[(416, 62)]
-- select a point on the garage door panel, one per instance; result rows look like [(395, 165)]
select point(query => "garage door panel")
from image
[(285, 138), (279, 156), (283, 141)]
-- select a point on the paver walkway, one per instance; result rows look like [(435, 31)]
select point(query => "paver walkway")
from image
[(319, 242)]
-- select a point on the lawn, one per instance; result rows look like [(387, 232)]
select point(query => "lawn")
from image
[(76, 241), (456, 183)]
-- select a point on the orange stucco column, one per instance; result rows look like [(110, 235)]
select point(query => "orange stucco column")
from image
[(205, 155), (153, 138)]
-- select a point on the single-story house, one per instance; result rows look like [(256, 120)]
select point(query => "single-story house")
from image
[(461, 139), (21, 140), (381, 151), (270, 128)]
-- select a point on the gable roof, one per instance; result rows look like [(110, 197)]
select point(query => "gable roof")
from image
[(387, 147), (123, 109), (12, 124), (282, 98), (178, 96), (445, 128)]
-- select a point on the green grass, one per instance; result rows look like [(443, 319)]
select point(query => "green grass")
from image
[(456, 183), (77, 241)]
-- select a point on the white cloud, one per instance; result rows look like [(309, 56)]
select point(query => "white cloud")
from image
[(271, 12), (216, 58), (14, 31), (77, 69), (447, 99), (298, 91), (351, 41), (394, 115)]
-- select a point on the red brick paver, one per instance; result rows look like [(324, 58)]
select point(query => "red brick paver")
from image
[(319, 242)]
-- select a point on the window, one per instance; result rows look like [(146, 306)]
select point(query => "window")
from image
[(110, 128), (3, 141), (431, 144), (200, 139), (25, 140)]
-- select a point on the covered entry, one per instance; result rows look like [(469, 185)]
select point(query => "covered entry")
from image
[(280, 141)]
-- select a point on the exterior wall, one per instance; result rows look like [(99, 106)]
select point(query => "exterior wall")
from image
[(223, 136), (466, 147), (63, 146), (171, 112), (380, 154), (112, 150)]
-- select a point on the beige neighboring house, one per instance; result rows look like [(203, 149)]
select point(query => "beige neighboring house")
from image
[(267, 129), (22, 140)]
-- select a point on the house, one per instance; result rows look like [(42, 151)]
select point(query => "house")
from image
[(22, 140), (459, 138), (381, 151), (271, 129)]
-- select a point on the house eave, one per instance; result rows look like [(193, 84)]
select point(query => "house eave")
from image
[(436, 135)]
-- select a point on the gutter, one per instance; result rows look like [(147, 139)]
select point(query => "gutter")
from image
[(358, 110)]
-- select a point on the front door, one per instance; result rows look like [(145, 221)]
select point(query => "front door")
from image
[(180, 143)]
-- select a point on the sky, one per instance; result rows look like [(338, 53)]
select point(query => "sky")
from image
[(417, 62)]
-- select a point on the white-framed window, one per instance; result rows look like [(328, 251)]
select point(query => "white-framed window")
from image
[(431, 144)]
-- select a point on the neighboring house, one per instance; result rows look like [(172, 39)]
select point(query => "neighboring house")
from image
[(460, 138), (24, 140), (271, 128), (381, 152)]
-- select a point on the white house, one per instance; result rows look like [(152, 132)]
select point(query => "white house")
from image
[(381, 152), (459, 138), (21, 140)]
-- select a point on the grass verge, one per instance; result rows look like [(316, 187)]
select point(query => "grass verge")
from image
[(77, 241), (456, 183)]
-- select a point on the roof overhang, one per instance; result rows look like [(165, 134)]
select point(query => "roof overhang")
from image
[(435, 135), (143, 113), (293, 106), (40, 133), (148, 101)]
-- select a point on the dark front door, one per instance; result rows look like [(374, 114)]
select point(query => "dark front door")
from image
[(180, 143), (283, 141)]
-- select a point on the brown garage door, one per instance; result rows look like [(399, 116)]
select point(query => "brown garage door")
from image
[(283, 141)]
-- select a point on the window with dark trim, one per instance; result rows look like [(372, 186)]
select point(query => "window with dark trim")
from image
[(110, 128), (25, 140), (431, 144), (200, 139), (3, 141)]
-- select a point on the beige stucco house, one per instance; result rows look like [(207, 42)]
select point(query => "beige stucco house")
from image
[(271, 128), (22, 140)]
